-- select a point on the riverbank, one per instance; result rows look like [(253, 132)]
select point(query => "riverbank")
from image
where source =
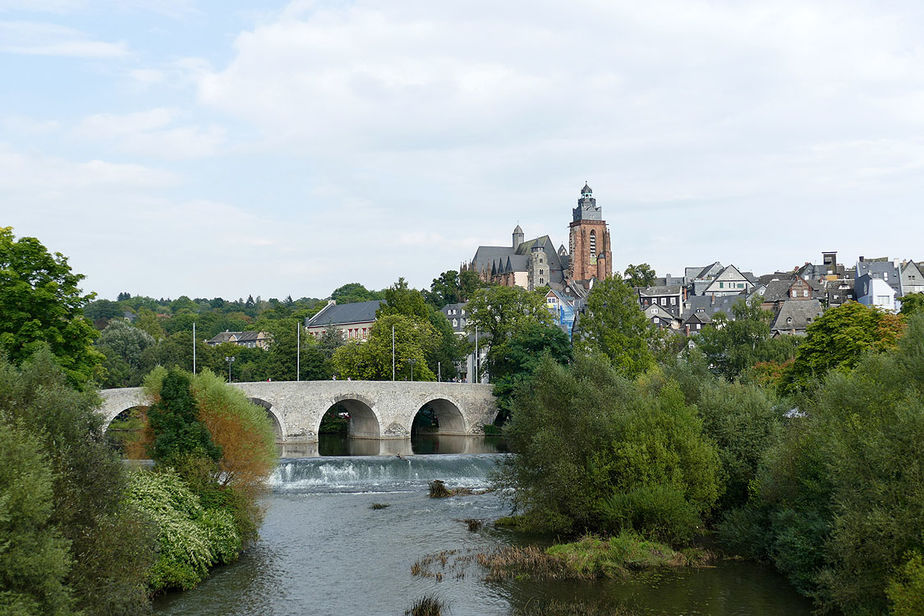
[(324, 549)]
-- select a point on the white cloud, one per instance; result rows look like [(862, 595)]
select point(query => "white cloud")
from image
[(45, 39), (153, 133)]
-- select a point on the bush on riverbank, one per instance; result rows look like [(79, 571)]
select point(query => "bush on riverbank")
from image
[(110, 545), (192, 538), (837, 505), (598, 452)]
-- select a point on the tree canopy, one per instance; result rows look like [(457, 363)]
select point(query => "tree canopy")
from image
[(614, 326), (41, 304)]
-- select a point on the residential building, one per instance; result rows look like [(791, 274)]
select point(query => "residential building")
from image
[(668, 297), (251, 340), (794, 316), (353, 321), (911, 278), (875, 292)]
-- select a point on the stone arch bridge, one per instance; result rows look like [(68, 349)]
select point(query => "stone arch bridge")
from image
[(378, 409)]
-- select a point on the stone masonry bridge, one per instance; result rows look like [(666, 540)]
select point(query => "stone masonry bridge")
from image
[(378, 409)]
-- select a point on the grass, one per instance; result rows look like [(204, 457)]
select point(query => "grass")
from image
[(473, 524), (589, 558), (558, 608), (428, 605), (379, 505)]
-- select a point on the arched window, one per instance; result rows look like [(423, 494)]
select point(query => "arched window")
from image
[(593, 243)]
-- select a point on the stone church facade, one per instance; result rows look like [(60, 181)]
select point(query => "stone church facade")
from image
[(537, 263)]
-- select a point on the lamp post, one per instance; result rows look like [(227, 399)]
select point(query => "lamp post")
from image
[(230, 361), (412, 362)]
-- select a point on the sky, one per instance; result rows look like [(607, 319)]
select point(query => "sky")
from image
[(234, 148)]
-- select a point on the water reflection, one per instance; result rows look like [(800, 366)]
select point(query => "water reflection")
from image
[(423, 444)]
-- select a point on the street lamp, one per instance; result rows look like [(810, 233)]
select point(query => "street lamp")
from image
[(412, 362), (230, 361)]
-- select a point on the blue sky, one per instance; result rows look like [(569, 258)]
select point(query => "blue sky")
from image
[(234, 148)]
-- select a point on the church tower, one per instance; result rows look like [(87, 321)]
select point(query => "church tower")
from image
[(589, 240)]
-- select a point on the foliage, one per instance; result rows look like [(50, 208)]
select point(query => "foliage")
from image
[(354, 292), (597, 451), (372, 360), (111, 546), (124, 347), (838, 339), (447, 348), (517, 359), (34, 558), (838, 504), (640, 275), (192, 538), (452, 287), (174, 420), (913, 303), (734, 344), (220, 443), (241, 431), (496, 313), (41, 306), (614, 326), (906, 590), (742, 419)]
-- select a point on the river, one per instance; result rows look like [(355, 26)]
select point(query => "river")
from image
[(324, 550)]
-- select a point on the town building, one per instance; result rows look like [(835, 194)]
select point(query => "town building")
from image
[(353, 321), (250, 340)]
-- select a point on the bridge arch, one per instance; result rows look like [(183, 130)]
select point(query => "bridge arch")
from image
[(279, 426), (364, 421), (446, 413)]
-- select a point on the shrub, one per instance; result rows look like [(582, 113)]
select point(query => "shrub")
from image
[(192, 538), (592, 448)]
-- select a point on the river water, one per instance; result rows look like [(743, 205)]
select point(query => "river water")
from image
[(324, 550)]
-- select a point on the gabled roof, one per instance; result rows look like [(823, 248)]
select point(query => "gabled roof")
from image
[(710, 305), (656, 310), (796, 316), (343, 314)]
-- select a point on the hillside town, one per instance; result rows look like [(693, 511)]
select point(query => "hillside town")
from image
[(687, 303)]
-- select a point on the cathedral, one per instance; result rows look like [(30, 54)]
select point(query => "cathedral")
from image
[(536, 263)]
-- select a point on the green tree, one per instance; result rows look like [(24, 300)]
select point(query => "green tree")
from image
[(124, 348), (41, 305), (912, 303), (354, 292), (498, 312), (102, 310), (447, 348), (615, 326), (838, 339), (599, 452), (640, 275), (734, 344), (174, 420), (372, 360), (111, 545), (518, 358), (838, 505), (34, 558)]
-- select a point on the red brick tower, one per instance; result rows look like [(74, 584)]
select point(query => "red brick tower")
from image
[(589, 241)]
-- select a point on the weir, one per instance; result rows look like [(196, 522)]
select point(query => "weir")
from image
[(377, 409)]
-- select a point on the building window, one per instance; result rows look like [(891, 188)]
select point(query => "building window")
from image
[(541, 281), (593, 243)]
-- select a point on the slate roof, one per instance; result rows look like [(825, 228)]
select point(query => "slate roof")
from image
[(343, 314), (795, 315), (711, 305), (777, 290), (659, 290)]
